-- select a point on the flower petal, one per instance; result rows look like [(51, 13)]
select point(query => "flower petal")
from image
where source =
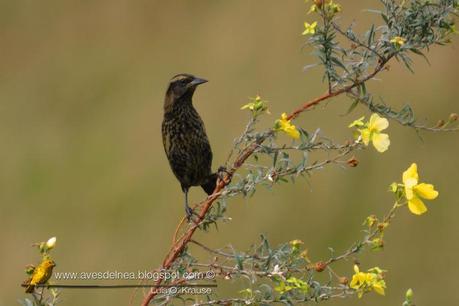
[(409, 194), (378, 288), (411, 174), (416, 206), (426, 191), (381, 142), (293, 132), (365, 136), (356, 269), (378, 123), (354, 282)]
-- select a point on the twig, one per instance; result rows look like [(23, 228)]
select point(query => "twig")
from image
[(356, 41), (357, 247), (217, 252)]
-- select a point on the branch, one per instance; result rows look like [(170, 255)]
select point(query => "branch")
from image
[(312, 103), (180, 245)]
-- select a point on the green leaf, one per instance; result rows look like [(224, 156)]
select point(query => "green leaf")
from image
[(352, 107)]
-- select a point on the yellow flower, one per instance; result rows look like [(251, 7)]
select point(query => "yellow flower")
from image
[(364, 282), (296, 244), (310, 28), (292, 283), (414, 192), (334, 7), (256, 105), (313, 9), (286, 126), (399, 41), (371, 131), (370, 221)]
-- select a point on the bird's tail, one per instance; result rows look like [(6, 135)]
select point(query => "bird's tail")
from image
[(28, 285), (30, 288), (210, 184)]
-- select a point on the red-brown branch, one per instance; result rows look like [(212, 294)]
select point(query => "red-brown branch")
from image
[(181, 243)]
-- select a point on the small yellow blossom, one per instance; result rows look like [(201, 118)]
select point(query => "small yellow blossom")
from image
[(398, 41), (286, 126), (414, 191), (313, 9), (256, 105), (310, 28), (334, 7), (371, 131), (296, 244), (292, 283), (370, 221), (304, 254), (377, 244), (372, 280), (247, 293)]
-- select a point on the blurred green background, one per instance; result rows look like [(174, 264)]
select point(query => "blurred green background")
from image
[(82, 86)]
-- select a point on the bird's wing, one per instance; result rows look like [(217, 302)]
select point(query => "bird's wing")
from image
[(166, 140)]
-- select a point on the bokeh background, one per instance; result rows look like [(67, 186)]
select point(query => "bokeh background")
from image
[(81, 90)]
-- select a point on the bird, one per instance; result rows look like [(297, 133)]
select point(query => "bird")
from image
[(40, 275), (184, 137)]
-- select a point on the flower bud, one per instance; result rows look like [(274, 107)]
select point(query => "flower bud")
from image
[(304, 254), (296, 244), (343, 280), (319, 3), (453, 117), (382, 226), (353, 162), (409, 294), (440, 123), (51, 243), (320, 266), (377, 243)]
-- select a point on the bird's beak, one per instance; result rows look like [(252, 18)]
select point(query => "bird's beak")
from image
[(196, 82)]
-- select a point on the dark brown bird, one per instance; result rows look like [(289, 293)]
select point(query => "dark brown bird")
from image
[(184, 137)]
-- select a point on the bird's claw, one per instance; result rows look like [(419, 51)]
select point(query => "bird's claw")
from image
[(189, 212), (221, 174)]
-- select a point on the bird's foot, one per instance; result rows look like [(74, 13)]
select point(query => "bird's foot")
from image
[(224, 175), (189, 212)]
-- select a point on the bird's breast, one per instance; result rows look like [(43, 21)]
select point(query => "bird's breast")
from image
[(187, 146)]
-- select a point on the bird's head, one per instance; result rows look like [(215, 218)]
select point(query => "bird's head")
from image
[(183, 86), (48, 263)]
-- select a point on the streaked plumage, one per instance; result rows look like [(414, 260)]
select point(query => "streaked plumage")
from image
[(184, 137)]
